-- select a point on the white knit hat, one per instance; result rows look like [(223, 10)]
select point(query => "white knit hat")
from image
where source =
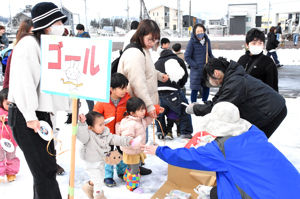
[(224, 120)]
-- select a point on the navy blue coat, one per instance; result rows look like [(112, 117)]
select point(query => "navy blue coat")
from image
[(195, 56)]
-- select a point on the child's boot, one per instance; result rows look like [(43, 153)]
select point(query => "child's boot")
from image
[(88, 190), (133, 182), (100, 195), (11, 178), (126, 173), (2, 178)]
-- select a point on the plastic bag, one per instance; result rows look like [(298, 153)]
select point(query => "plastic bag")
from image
[(200, 139), (203, 191), (177, 194)]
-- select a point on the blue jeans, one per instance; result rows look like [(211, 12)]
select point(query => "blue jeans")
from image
[(295, 38), (277, 36), (109, 169), (274, 55), (172, 101), (205, 94)]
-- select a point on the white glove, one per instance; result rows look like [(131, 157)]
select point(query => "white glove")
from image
[(190, 109)]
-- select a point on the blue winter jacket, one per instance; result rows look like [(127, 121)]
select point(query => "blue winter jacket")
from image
[(195, 56), (247, 166)]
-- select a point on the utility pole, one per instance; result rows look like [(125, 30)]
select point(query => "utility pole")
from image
[(141, 11), (10, 16), (190, 20), (269, 16), (179, 18), (128, 24), (86, 22)]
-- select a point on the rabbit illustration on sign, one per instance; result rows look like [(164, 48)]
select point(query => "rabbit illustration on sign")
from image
[(73, 75)]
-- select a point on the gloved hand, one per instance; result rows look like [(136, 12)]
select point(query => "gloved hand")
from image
[(190, 109)]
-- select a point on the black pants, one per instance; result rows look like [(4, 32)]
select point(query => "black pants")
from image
[(90, 104), (271, 127), (213, 193), (41, 164)]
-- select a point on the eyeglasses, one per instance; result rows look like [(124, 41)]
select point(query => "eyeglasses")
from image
[(153, 41)]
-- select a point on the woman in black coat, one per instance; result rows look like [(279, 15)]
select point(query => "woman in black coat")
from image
[(272, 44), (257, 102)]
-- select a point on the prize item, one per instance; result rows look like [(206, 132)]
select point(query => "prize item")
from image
[(203, 191), (136, 140), (113, 157), (176, 194), (46, 131), (108, 120), (7, 145), (200, 139)]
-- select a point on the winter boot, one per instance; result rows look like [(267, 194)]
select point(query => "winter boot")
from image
[(60, 170), (2, 178), (88, 190), (133, 181), (145, 171), (126, 173), (11, 178), (110, 182), (100, 195)]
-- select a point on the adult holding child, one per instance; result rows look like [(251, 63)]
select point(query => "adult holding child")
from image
[(246, 164), (197, 52), (139, 68), (30, 105)]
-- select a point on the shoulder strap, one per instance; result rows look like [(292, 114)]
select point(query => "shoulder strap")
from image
[(253, 64), (134, 45)]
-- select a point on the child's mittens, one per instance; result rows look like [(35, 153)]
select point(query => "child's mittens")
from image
[(136, 140)]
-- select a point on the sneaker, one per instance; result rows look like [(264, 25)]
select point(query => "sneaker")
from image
[(11, 178), (110, 182), (145, 171), (60, 170), (186, 136), (88, 190), (169, 136)]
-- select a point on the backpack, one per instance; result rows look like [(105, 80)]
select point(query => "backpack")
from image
[(115, 63)]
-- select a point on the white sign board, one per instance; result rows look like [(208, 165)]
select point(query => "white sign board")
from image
[(78, 67)]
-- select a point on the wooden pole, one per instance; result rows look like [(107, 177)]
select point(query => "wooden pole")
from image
[(73, 145)]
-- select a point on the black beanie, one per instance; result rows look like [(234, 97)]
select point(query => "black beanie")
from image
[(45, 14)]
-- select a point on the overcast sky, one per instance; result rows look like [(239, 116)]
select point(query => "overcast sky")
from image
[(109, 8)]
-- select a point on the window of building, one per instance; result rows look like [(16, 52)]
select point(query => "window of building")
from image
[(166, 13), (153, 14), (248, 19), (247, 29), (157, 13)]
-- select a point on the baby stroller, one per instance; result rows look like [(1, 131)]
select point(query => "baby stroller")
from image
[(5, 53)]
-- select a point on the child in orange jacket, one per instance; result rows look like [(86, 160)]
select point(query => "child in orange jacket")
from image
[(115, 108)]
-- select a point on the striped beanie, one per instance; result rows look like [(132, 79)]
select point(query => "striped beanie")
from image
[(45, 14)]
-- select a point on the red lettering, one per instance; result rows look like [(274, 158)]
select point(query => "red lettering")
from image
[(58, 48), (86, 59), (94, 70), (74, 58)]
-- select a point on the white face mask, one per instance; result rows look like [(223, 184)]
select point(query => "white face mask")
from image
[(255, 50), (57, 30)]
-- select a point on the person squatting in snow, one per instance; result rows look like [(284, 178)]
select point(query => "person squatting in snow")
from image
[(96, 139), (9, 163), (134, 125), (246, 164)]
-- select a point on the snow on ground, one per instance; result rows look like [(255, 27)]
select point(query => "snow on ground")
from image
[(286, 139)]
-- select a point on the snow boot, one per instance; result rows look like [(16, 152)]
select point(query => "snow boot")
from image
[(144, 171), (100, 195), (110, 182), (88, 190), (11, 178), (60, 170), (126, 173), (133, 181)]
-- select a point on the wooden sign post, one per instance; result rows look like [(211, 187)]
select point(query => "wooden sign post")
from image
[(78, 68)]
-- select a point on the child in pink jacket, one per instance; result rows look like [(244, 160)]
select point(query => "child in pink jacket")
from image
[(134, 126), (9, 163)]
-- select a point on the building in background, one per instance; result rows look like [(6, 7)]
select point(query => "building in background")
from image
[(242, 17), (219, 22), (194, 21), (165, 17)]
